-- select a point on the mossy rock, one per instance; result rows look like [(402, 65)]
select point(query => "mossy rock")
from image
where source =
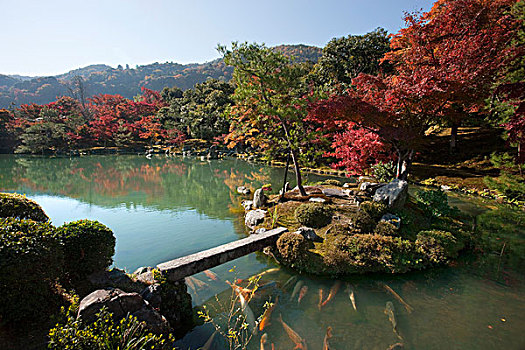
[(313, 215), (13, 205), (375, 209)]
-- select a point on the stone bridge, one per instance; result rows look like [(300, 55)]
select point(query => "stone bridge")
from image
[(185, 266)]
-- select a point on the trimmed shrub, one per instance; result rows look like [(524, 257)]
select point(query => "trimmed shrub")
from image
[(362, 253), (31, 261), (385, 228), (291, 246), (384, 172), (105, 333), (438, 246), (434, 203), (363, 222), (375, 209), (89, 247), (313, 215), (13, 205)]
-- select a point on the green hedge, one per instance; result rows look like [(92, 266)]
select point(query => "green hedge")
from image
[(31, 261), (13, 205), (89, 246)]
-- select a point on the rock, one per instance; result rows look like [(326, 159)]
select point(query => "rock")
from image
[(152, 295), (317, 200), (115, 278), (259, 230), (259, 198), (446, 187), (369, 187), (308, 233), (248, 205), (141, 270), (334, 192), (366, 178), (243, 190), (393, 219), (347, 185), (394, 193), (120, 303), (309, 189), (254, 217)]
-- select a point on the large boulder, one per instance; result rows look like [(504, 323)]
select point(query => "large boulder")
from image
[(120, 303), (393, 194), (243, 190), (259, 198), (254, 217), (308, 233), (334, 192), (116, 278)]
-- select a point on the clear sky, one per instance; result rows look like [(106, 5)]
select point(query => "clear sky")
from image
[(48, 37)]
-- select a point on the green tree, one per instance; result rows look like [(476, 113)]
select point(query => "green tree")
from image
[(270, 98)]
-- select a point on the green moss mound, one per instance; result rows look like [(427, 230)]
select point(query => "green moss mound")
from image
[(89, 246), (313, 215), (31, 261), (292, 246), (384, 228), (438, 246), (13, 205), (375, 209)]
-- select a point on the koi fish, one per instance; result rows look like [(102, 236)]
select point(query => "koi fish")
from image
[(351, 295), (390, 312), (296, 289), (245, 292), (288, 283), (326, 345), (396, 346), (211, 275), (272, 270), (320, 304), (302, 293), (265, 321), (197, 282), (248, 313), (333, 292), (391, 291), (208, 344), (296, 338), (264, 340)]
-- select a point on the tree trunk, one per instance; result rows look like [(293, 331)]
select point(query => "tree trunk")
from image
[(297, 173), (281, 199), (404, 163), (453, 138)]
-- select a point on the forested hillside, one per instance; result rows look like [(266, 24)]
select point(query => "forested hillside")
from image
[(125, 81)]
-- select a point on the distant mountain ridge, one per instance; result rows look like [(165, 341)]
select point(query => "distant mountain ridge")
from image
[(16, 90)]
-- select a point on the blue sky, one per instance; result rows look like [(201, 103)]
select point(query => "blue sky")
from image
[(54, 36)]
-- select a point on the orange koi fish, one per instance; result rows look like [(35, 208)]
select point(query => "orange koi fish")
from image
[(320, 304), (326, 344), (245, 292), (211, 275), (302, 293), (296, 338), (265, 321), (333, 292)]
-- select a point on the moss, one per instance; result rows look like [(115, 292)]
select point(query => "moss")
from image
[(438, 246), (375, 209), (292, 246), (313, 215), (13, 205), (332, 182), (363, 222)]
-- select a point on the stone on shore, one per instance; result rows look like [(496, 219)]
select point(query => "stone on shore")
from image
[(259, 198), (254, 218), (393, 194)]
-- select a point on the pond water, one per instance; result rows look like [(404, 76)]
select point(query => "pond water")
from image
[(166, 207)]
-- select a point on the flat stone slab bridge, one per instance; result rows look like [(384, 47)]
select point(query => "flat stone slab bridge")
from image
[(185, 266)]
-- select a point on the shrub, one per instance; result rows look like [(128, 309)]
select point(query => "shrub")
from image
[(291, 246), (313, 215), (332, 182), (363, 222), (434, 203), (385, 228), (384, 172), (88, 247), (438, 246), (510, 185), (105, 333), (375, 209), (31, 261), (362, 253), (13, 205)]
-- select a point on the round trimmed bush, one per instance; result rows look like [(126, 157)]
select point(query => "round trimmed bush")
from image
[(437, 245), (385, 228), (31, 261), (375, 209), (291, 246), (89, 247), (363, 222), (13, 205), (313, 215)]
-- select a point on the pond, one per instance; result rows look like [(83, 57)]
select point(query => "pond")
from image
[(166, 207)]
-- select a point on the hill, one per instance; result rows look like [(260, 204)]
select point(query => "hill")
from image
[(103, 79)]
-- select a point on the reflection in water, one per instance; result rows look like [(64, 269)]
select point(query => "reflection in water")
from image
[(164, 208)]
